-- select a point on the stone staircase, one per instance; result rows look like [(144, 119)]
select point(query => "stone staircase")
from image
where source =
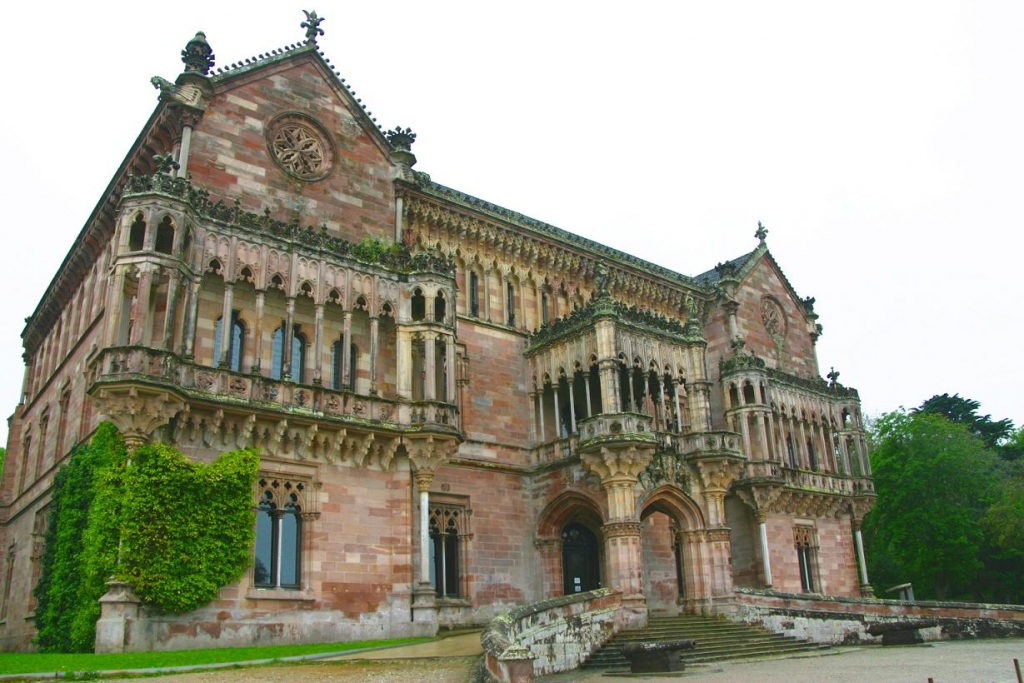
[(718, 640)]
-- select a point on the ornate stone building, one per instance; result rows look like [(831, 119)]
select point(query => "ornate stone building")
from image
[(459, 408)]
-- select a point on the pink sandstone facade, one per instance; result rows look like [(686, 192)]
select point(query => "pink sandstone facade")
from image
[(469, 409)]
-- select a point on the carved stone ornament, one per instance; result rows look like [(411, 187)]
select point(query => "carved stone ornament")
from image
[(300, 146), (773, 318)]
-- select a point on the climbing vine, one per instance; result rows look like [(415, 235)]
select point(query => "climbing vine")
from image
[(187, 528), (176, 529)]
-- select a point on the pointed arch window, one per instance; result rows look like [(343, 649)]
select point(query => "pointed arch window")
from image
[(338, 364), (474, 295), (298, 364), (236, 342), (448, 529), (510, 304), (807, 557), (278, 556)]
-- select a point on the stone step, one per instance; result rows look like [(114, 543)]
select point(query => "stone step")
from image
[(717, 640)]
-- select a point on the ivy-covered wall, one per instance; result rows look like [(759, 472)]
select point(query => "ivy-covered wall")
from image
[(176, 529)]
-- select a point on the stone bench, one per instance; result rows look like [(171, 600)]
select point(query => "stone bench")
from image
[(657, 657), (906, 632)]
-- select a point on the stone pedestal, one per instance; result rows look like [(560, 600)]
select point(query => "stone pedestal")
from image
[(424, 606), (118, 609)]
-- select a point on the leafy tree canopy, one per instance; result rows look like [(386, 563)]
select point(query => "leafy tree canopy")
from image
[(965, 411), (934, 480)]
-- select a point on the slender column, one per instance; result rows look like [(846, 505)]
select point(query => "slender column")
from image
[(346, 351), (287, 334), (773, 436), (745, 431), (142, 307), (533, 418), (539, 304), (192, 318), (543, 427), (803, 445), (487, 295), (430, 382), (678, 387), (374, 325), (173, 287), (318, 338), (225, 325), (572, 405), (829, 454), (423, 479), (730, 308), (607, 370), (449, 350), (558, 415), (861, 560), (765, 559), (186, 144), (257, 331), (586, 388), (634, 404), (763, 434)]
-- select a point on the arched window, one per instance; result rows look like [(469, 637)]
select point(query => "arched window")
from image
[(236, 343), (544, 314), (474, 295), (278, 537), (137, 234), (440, 307), (447, 525), (337, 364), (165, 236), (419, 305), (298, 365), (510, 304)]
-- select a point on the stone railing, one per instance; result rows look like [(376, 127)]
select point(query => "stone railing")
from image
[(554, 451), (822, 481), (616, 427), (707, 443), (159, 367), (762, 469), (549, 636), (842, 620)]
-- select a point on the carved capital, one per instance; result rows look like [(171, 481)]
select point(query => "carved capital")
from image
[(761, 499), (620, 529), (428, 452), (718, 474), (136, 411), (614, 464)]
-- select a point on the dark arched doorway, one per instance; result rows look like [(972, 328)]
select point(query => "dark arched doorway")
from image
[(580, 559)]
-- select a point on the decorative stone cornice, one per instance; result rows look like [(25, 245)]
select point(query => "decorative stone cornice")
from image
[(136, 410)]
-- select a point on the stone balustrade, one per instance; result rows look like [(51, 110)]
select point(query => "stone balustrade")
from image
[(158, 367), (710, 443), (549, 636), (616, 427)]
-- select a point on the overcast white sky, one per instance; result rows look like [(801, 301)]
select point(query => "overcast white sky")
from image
[(881, 143)]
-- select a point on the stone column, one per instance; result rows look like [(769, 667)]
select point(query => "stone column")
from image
[(226, 323), (678, 387), (346, 351), (558, 412), (374, 326), (607, 371), (429, 369), (142, 320), (318, 351), (257, 332), (586, 388), (741, 417), (192, 318), (572, 405), (449, 350), (533, 418), (766, 562), (172, 309), (543, 427), (287, 334), (763, 434), (731, 307), (865, 585)]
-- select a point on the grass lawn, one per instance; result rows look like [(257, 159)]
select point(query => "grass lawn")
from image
[(41, 662)]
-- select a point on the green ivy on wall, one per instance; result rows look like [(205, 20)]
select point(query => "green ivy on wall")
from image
[(177, 530)]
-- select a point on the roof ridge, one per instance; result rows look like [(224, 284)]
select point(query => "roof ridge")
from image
[(522, 220)]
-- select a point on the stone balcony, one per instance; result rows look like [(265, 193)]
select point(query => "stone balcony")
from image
[(199, 384), (616, 429)]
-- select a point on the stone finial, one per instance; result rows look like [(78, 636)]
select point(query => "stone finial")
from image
[(312, 26), (833, 377), (602, 279), (762, 232), (401, 139), (198, 55), (165, 163)]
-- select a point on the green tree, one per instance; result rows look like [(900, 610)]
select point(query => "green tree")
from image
[(934, 480), (965, 411)]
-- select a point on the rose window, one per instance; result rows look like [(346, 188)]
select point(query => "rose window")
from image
[(300, 147)]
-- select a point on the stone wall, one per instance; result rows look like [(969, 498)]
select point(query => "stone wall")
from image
[(549, 636), (840, 620)]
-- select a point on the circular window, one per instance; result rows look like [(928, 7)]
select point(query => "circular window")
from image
[(300, 146)]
